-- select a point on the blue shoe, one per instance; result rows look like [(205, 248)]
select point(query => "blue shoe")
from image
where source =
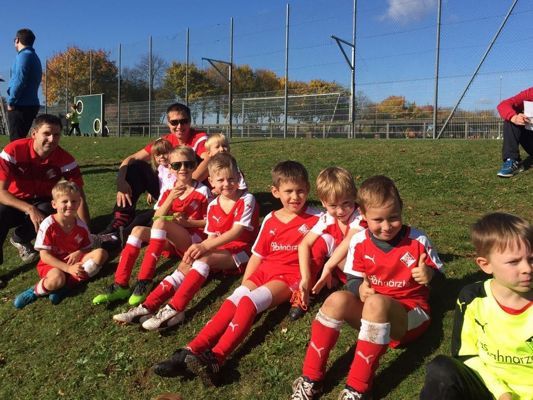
[(26, 297), (509, 168), (57, 296)]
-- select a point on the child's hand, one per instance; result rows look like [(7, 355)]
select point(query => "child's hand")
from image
[(365, 290), (325, 279), (422, 274), (74, 257), (149, 199), (304, 292), (506, 396), (77, 271), (180, 218), (194, 252)]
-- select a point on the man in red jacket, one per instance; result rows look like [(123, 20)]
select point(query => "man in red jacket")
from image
[(516, 132)]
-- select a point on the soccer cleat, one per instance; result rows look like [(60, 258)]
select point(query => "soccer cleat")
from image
[(173, 365), (165, 318), (133, 315), (26, 297), (510, 167), (140, 292), (101, 238), (57, 296), (113, 292), (298, 309), (348, 393), (205, 366), (120, 219), (304, 388), (26, 251)]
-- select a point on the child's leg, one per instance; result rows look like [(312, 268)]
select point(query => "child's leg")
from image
[(449, 379), (130, 253), (337, 308), (382, 318), (93, 261), (55, 279), (165, 290), (214, 329), (258, 300), (197, 275)]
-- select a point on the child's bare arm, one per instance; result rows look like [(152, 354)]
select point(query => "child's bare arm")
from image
[(304, 258), (197, 250), (175, 192), (252, 265)]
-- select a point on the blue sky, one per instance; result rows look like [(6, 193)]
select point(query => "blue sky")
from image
[(395, 44)]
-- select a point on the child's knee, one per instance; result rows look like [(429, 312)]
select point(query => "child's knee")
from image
[(338, 303), (376, 306), (138, 231), (55, 279), (159, 224)]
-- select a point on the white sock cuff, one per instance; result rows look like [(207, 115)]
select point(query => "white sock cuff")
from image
[(39, 288), (328, 321), (375, 332), (176, 278), (201, 267), (158, 234), (238, 294), (134, 241), (261, 297)]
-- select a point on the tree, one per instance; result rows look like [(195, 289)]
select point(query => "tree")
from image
[(135, 80), (198, 84), (73, 65)]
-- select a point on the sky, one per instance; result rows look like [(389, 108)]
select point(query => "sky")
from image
[(395, 43)]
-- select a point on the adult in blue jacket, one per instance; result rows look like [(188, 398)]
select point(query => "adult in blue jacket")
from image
[(22, 101)]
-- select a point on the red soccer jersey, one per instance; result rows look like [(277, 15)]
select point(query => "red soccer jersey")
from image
[(508, 108), (194, 205), (245, 212), (196, 142), (53, 238), (329, 224), (29, 176), (277, 242), (389, 273)]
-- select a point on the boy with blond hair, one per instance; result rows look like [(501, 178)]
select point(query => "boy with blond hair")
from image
[(492, 339), (336, 191), (231, 228), (392, 264), (64, 246)]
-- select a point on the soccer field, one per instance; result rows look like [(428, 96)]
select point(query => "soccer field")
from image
[(74, 351)]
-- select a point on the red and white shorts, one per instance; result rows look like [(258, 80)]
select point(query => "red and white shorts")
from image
[(418, 320)]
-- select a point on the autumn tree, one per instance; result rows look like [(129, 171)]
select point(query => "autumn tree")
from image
[(135, 80), (73, 66)]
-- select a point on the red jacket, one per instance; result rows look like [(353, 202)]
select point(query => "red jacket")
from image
[(514, 105)]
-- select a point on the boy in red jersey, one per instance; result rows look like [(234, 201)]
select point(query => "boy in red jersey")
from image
[(232, 225), (270, 275), (65, 249), (178, 222), (392, 264), (337, 192)]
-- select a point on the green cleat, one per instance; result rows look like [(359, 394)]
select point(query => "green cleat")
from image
[(113, 292), (140, 292)]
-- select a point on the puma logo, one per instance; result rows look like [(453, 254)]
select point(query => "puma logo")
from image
[(481, 325), (165, 285), (154, 255), (272, 232), (367, 257), (461, 304), (318, 350), (217, 219), (233, 326), (366, 358)]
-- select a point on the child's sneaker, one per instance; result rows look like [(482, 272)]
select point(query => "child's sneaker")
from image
[(26, 251), (509, 168), (298, 309), (101, 238), (304, 388), (165, 318), (140, 292), (133, 315), (26, 297), (58, 296), (205, 366), (113, 292), (173, 365), (350, 393)]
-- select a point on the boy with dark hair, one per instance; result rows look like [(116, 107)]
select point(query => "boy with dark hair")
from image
[(391, 264), (492, 342)]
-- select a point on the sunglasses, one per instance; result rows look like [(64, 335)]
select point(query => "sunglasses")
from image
[(176, 166), (176, 122)]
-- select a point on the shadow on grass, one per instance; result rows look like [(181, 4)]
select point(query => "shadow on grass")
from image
[(16, 271), (443, 298)]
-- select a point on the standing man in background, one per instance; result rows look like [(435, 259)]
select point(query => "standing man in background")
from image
[(22, 101)]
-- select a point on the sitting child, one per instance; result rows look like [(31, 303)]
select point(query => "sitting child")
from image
[(337, 192), (232, 224), (392, 265), (64, 246), (178, 222), (270, 275), (492, 339)]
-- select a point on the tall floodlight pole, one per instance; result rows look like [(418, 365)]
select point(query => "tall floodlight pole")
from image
[(46, 86), (118, 87), (150, 87), (187, 69), (286, 95), (437, 55), (351, 64), (478, 67), (66, 86), (90, 72)]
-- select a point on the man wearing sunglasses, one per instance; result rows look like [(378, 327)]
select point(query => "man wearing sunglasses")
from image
[(136, 176)]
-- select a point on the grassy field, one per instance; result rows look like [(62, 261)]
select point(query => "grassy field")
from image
[(74, 351)]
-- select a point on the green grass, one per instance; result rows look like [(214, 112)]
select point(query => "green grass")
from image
[(74, 351)]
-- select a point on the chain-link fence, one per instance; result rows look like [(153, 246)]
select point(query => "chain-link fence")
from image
[(395, 72)]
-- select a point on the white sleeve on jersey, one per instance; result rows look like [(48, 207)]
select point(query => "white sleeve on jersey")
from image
[(248, 211), (40, 240), (354, 241)]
